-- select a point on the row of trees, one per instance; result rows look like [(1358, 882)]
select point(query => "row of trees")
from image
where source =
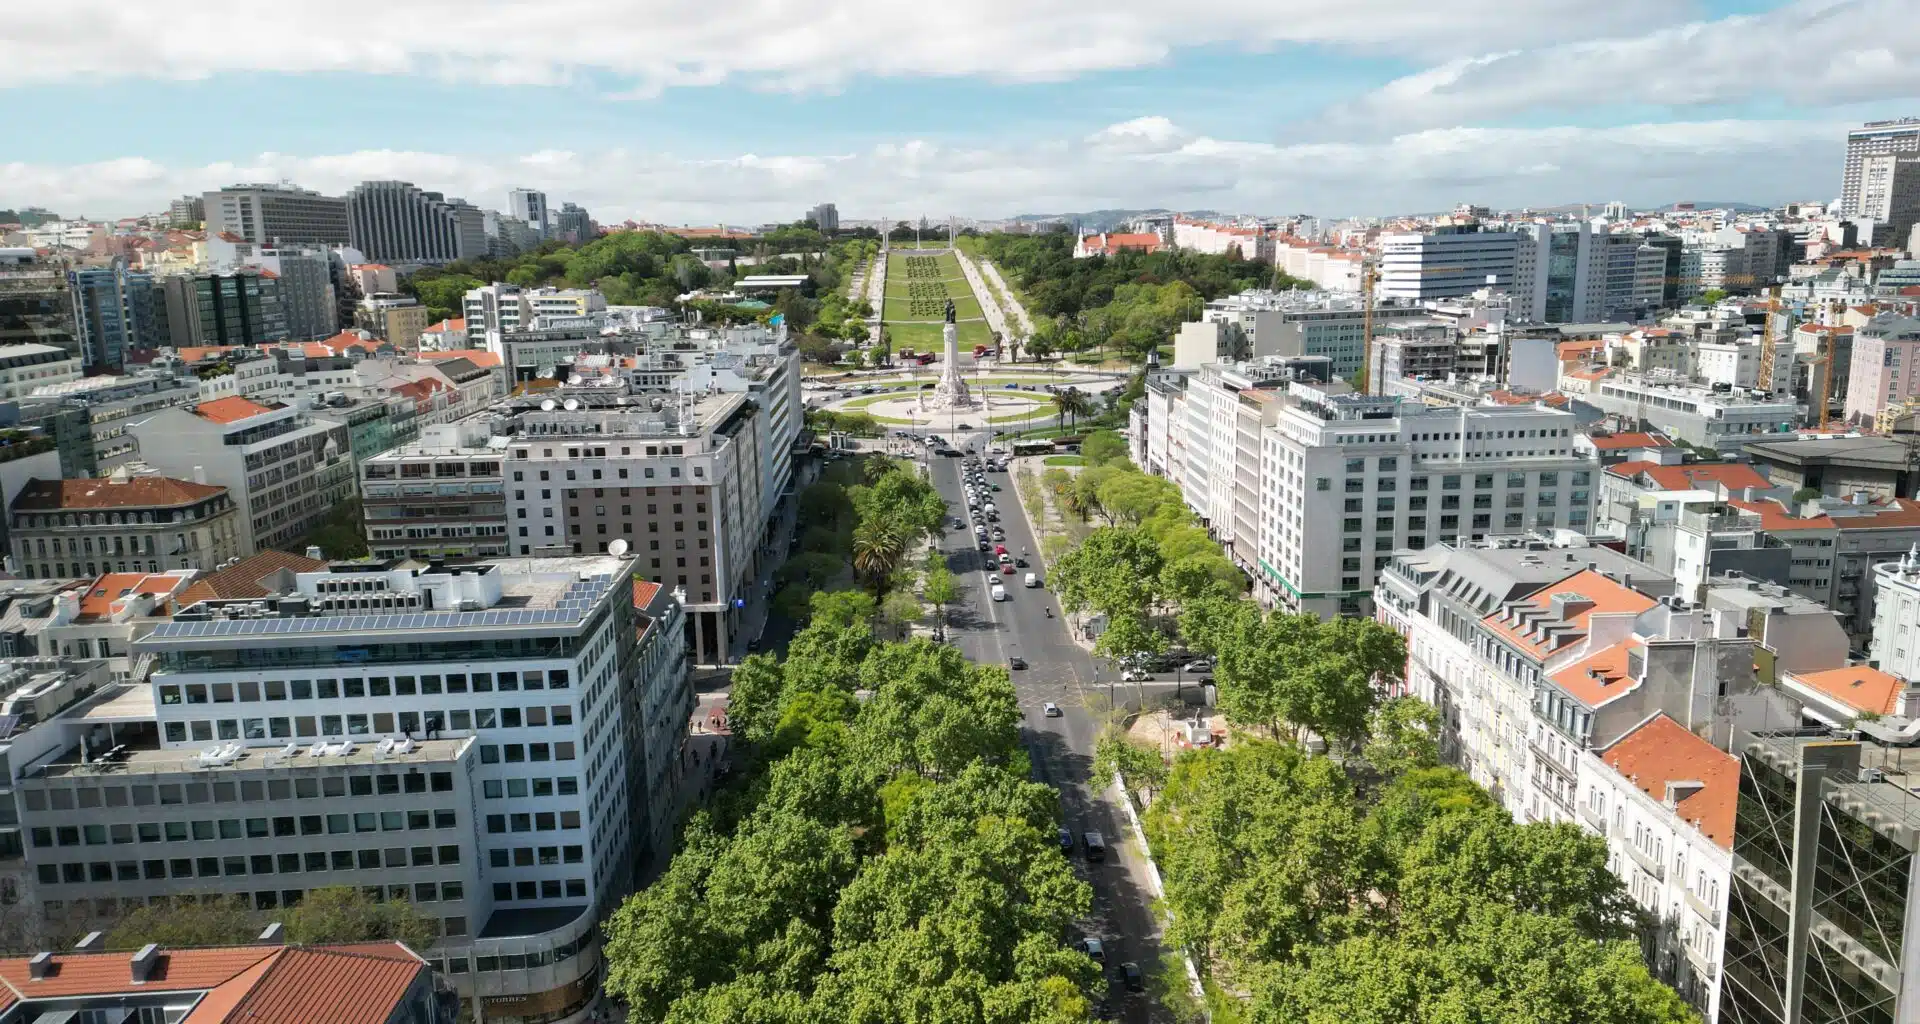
[(336, 914), (888, 861), (870, 515)]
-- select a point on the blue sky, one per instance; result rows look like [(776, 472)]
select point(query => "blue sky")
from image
[(686, 112)]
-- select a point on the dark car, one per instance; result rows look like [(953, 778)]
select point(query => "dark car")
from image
[(1096, 846), (1016, 663), (1020, 562), (1131, 977), (1066, 840)]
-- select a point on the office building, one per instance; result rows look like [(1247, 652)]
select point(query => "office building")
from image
[(507, 236), (242, 307), (395, 318), (395, 222), (116, 311), (1447, 262), (307, 296), (276, 215), (530, 207), (1265, 324), (826, 217), (1560, 272), (187, 212), (497, 309), (1698, 415), (284, 470), (23, 368), (439, 497), (1875, 138), (36, 304), (1884, 368), (106, 405), (62, 529), (1634, 272), (573, 225)]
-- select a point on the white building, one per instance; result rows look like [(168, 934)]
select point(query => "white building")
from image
[(25, 368), (284, 470), (496, 309), (1447, 262), (1294, 323), (1896, 617), (530, 206)]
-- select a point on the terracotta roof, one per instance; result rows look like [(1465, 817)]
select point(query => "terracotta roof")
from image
[(478, 356), (339, 985), (1660, 751), (354, 984), (200, 353), (105, 492), (1590, 373), (1734, 476), (1775, 519), (1602, 594), (644, 591), (1600, 677), (1575, 349), (243, 580), (458, 323), (1617, 442), (1860, 687), (231, 409)]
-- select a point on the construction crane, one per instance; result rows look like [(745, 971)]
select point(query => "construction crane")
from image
[(1369, 377), (1765, 378)]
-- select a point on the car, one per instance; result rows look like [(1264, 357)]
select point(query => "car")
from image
[(959, 524), (1092, 947), (1066, 834), (997, 592), (984, 546), (1096, 846), (1020, 563), (1016, 663), (1006, 568), (990, 509), (1203, 665), (1033, 580), (1131, 977), (1052, 710), (965, 426), (996, 488), (999, 549), (1134, 675)]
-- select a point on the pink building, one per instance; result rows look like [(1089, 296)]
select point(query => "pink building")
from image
[(1885, 368)]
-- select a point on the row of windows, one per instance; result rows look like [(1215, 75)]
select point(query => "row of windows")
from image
[(249, 691), (538, 821), (542, 889), (382, 723), (246, 791), (564, 785), (532, 856), (203, 830), (236, 865), (673, 472), (266, 899)]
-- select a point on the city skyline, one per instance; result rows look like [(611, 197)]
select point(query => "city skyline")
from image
[(654, 112)]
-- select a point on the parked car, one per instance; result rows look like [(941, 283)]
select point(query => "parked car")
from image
[(1131, 977), (1203, 665), (1016, 663), (1092, 947), (1052, 710), (1066, 835), (1096, 846), (1134, 675)]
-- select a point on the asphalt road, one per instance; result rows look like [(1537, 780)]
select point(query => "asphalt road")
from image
[(990, 632)]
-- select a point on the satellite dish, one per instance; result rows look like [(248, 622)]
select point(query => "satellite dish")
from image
[(572, 404), (547, 406), (574, 380), (617, 549)]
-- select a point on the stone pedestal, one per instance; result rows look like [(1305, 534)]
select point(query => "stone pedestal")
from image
[(951, 392)]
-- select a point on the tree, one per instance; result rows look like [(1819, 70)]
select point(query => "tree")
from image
[(938, 588), (878, 545), (901, 609), (1403, 736), (1713, 296), (208, 920), (1140, 766), (1297, 672), (1102, 447), (1127, 640), (344, 913), (1114, 571)]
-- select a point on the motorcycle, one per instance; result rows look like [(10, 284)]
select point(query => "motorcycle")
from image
[(1049, 613)]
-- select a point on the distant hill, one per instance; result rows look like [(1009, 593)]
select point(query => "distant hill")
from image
[(1107, 220)]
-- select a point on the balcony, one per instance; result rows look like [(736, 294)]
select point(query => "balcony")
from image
[(1701, 964), (1596, 819), (1707, 911), (1648, 862)]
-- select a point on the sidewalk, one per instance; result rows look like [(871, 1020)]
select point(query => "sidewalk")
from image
[(1076, 621)]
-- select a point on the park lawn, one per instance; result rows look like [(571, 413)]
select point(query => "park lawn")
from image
[(925, 337), (1065, 460)]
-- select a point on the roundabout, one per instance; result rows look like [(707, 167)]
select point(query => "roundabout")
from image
[(1011, 397)]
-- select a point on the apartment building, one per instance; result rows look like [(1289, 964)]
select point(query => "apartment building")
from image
[(496, 309), (276, 214), (1726, 421), (1294, 323), (24, 368), (109, 404), (442, 496), (120, 523), (1448, 261), (1834, 544), (284, 470), (1382, 473), (471, 739), (1896, 616), (1884, 351)]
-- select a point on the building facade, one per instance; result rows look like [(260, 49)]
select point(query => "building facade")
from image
[(1875, 138), (440, 497), (396, 222), (530, 207), (275, 215), (117, 311), (239, 308), (62, 529), (36, 304), (1447, 262)]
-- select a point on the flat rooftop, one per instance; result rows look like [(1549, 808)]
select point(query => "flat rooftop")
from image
[(182, 760), (1880, 452)]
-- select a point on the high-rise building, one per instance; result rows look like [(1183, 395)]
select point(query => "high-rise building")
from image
[(1875, 138), (280, 214), (1890, 196), (306, 289), (1448, 262), (116, 311), (187, 212), (826, 217), (530, 205), (574, 225), (396, 222), (1633, 276), (36, 305), (239, 308)]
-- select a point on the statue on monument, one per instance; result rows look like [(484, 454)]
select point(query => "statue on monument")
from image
[(950, 311)]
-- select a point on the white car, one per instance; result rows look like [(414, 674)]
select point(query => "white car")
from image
[(1032, 580), (997, 592), (1197, 666), (1134, 675)]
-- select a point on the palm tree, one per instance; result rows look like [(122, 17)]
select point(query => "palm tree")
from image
[(1071, 403), (878, 546)]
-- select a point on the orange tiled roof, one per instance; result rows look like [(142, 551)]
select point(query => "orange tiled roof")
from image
[(1775, 519), (1616, 442), (644, 591), (231, 409), (104, 492), (477, 356), (243, 580), (1600, 677), (1858, 687), (1660, 751), (1590, 373), (83, 974), (1568, 350), (1696, 477), (1605, 597), (458, 323), (198, 353)]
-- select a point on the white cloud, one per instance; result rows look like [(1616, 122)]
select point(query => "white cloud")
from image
[(655, 44), (1148, 161), (1811, 53)]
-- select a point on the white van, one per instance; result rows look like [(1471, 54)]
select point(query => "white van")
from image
[(1032, 580), (997, 592), (990, 510)]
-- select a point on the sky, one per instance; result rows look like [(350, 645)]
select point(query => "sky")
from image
[(747, 111)]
